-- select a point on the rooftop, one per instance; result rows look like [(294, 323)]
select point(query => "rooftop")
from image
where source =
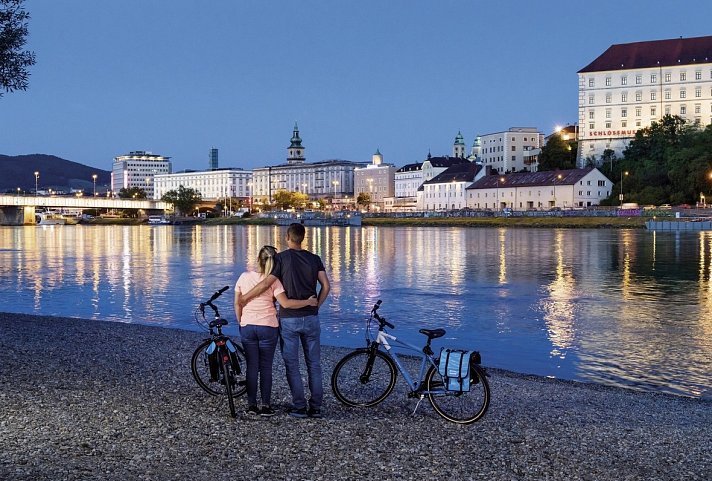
[(531, 179)]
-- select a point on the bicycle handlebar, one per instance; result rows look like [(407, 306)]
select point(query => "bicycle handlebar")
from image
[(210, 304), (218, 294), (381, 321)]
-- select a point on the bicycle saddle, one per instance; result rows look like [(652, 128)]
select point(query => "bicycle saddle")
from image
[(433, 333), (218, 322)]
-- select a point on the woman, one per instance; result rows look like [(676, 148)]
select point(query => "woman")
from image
[(259, 329)]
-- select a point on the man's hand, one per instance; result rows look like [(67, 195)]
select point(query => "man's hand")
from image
[(313, 301)]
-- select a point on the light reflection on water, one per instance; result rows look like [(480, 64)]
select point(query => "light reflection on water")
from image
[(620, 307)]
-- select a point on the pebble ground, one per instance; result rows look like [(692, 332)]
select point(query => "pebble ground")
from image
[(86, 400)]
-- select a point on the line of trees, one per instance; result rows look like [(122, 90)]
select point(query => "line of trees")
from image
[(14, 61)]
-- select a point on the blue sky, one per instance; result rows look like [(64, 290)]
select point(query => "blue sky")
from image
[(177, 77)]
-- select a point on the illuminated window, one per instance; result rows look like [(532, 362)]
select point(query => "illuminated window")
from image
[(683, 94), (683, 76), (668, 95), (638, 96), (638, 79), (653, 95), (668, 77), (624, 80), (608, 81), (683, 109), (624, 112), (698, 75), (698, 92), (624, 97), (653, 78)]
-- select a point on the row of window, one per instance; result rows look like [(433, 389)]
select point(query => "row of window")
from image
[(653, 111), (653, 78), (653, 95)]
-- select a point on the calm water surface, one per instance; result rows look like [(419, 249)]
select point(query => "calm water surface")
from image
[(619, 307)]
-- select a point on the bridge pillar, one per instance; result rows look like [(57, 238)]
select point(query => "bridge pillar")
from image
[(17, 215)]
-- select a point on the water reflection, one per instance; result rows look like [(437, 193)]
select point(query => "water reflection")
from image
[(623, 307)]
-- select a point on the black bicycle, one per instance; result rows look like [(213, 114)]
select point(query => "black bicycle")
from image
[(218, 363)]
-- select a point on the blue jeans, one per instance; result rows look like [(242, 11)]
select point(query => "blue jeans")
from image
[(305, 331), (260, 343)]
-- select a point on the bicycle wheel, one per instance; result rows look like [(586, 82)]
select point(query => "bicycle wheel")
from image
[(363, 378), (215, 385), (227, 374), (459, 407)]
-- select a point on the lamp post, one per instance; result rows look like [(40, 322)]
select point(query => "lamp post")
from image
[(558, 177), (37, 177), (622, 174), (93, 178), (499, 203), (249, 196), (18, 191)]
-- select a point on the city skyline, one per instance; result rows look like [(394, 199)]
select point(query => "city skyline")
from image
[(402, 77)]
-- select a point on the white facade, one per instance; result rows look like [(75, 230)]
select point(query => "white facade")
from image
[(377, 179), (328, 178), (615, 101), (513, 150), (448, 191), (540, 191), (137, 169), (212, 184)]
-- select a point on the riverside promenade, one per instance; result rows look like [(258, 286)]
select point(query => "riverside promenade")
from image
[(83, 400)]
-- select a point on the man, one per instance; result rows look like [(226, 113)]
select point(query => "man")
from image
[(299, 271)]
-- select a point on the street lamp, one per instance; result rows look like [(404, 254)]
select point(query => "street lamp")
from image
[(37, 176), (499, 204), (18, 191), (93, 178), (249, 195), (558, 177), (622, 174)]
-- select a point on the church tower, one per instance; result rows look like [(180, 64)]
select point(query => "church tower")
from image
[(377, 158), (458, 148), (296, 151), (476, 150)]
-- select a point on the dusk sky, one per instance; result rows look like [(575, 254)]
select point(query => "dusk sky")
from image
[(181, 76)]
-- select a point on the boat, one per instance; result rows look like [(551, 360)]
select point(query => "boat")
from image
[(680, 225), (158, 220), (50, 218), (314, 219)]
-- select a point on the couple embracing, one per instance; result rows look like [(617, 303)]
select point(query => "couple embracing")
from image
[(290, 277)]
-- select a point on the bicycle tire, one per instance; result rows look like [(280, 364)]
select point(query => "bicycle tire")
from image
[(226, 369), (459, 407), (201, 372), (354, 387)]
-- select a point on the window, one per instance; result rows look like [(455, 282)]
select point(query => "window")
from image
[(514, 157), (638, 79), (608, 98), (590, 114), (608, 113), (683, 94), (608, 125), (624, 124), (698, 92), (637, 123), (698, 108), (590, 99), (638, 96), (683, 76), (668, 77), (608, 81), (683, 109), (591, 126), (624, 80), (653, 95), (653, 78), (667, 110), (638, 111), (698, 75), (591, 82), (624, 97), (668, 94), (652, 111), (514, 148), (624, 112)]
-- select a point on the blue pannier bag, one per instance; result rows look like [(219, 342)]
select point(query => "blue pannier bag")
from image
[(454, 367)]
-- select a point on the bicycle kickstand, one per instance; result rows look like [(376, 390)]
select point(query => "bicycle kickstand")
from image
[(420, 399)]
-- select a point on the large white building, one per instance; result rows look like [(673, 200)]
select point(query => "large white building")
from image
[(212, 184), (448, 190), (377, 179), (631, 85), (540, 190), (328, 178), (137, 169), (513, 150)]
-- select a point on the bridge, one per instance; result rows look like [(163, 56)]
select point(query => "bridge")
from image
[(20, 209)]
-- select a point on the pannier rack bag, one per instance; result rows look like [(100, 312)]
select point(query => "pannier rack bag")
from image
[(454, 367)]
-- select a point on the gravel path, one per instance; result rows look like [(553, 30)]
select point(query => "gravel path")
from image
[(97, 400)]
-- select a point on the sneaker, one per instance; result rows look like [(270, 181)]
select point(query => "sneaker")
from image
[(267, 411), (297, 412), (252, 410), (314, 413)]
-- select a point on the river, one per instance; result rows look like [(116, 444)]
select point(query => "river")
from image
[(619, 307)]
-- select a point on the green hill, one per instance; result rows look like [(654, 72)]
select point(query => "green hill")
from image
[(55, 173)]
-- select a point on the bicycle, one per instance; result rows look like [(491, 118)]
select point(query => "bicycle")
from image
[(367, 376), (217, 363)]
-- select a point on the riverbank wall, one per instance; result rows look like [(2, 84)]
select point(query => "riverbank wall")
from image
[(85, 399)]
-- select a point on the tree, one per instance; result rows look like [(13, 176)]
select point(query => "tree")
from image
[(183, 199), (13, 35), (558, 154), (364, 200), (132, 193)]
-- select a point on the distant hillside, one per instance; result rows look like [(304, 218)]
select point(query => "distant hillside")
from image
[(55, 173)]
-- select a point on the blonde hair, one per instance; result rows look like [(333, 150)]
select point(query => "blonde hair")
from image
[(265, 260)]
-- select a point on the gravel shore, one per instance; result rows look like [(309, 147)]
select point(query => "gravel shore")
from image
[(97, 400)]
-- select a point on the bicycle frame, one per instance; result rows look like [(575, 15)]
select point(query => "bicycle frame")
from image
[(426, 361)]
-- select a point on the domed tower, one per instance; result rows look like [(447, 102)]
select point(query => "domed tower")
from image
[(458, 148), (377, 158), (476, 150), (296, 151)]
